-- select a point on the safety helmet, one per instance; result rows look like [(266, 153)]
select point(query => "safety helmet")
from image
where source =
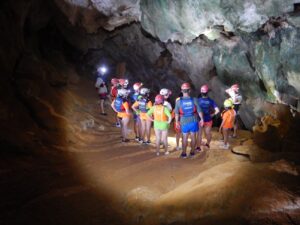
[(185, 86), (137, 86), (123, 82), (144, 91), (235, 87), (228, 103), (164, 92), (204, 88), (159, 99), (114, 81), (123, 92)]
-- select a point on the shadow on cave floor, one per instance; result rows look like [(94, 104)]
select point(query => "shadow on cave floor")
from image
[(99, 180)]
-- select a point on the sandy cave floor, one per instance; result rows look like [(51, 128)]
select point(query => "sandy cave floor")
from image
[(99, 180)]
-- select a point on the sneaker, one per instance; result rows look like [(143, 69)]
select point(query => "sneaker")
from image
[(144, 142), (125, 140), (137, 138), (207, 145), (192, 154), (118, 125), (148, 142), (157, 153), (141, 140), (224, 146), (198, 149), (183, 155), (167, 153)]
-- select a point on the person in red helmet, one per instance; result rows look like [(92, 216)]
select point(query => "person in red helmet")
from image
[(123, 83), (113, 96), (209, 109), (102, 91), (162, 118), (188, 109), (236, 98)]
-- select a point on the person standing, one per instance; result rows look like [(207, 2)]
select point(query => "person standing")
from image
[(209, 109), (236, 97), (113, 96), (137, 122), (102, 91), (228, 117), (121, 106), (141, 107), (162, 119), (187, 108)]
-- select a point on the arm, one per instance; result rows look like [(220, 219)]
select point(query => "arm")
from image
[(177, 123), (134, 107), (221, 126), (200, 113), (167, 112), (217, 110), (149, 113), (113, 106)]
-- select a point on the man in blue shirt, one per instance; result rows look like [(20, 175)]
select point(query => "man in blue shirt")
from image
[(188, 110)]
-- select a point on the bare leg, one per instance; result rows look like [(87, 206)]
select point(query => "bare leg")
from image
[(143, 129), (148, 129), (235, 128), (178, 135), (125, 122), (193, 142), (102, 106), (199, 136), (165, 139), (208, 134), (157, 139), (184, 142), (225, 134)]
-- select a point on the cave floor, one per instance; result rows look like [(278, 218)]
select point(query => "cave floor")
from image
[(99, 180)]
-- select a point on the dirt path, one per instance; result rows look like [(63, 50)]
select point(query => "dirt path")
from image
[(99, 180)]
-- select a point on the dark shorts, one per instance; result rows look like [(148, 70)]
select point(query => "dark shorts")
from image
[(103, 96), (136, 117)]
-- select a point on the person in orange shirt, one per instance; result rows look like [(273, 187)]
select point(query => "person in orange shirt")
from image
[(141, 107), (228, 117), (121, 106)]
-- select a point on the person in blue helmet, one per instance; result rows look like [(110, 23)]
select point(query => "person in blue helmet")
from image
[(209, 109), (188, 110)]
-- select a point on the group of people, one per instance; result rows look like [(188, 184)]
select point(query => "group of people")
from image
[(193, 116)]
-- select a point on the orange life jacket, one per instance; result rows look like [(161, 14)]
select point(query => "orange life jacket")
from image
[(159, 113)]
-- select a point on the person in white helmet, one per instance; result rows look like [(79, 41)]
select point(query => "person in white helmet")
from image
[(236, 98), (121, 106), (141, 107), (102, 91), (166, 94), (137, 122)]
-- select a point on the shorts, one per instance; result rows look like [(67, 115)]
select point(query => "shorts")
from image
[(103, 95), (136, 117), (191, 127), (177, 130), (207, 124)]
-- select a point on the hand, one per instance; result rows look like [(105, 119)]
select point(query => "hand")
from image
[(177, 125), (201, 123)]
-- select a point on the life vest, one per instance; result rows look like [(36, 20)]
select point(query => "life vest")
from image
[(143, 105), (119, 104), (187, 107), (159, 113)]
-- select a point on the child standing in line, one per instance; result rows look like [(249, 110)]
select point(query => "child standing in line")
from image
[(113, 96), (121, 106), (162, 119), (177, 129), (137, 122), (228, 117), (141, 107)]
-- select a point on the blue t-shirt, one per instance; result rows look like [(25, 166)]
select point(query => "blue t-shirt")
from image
[(208, 106)]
